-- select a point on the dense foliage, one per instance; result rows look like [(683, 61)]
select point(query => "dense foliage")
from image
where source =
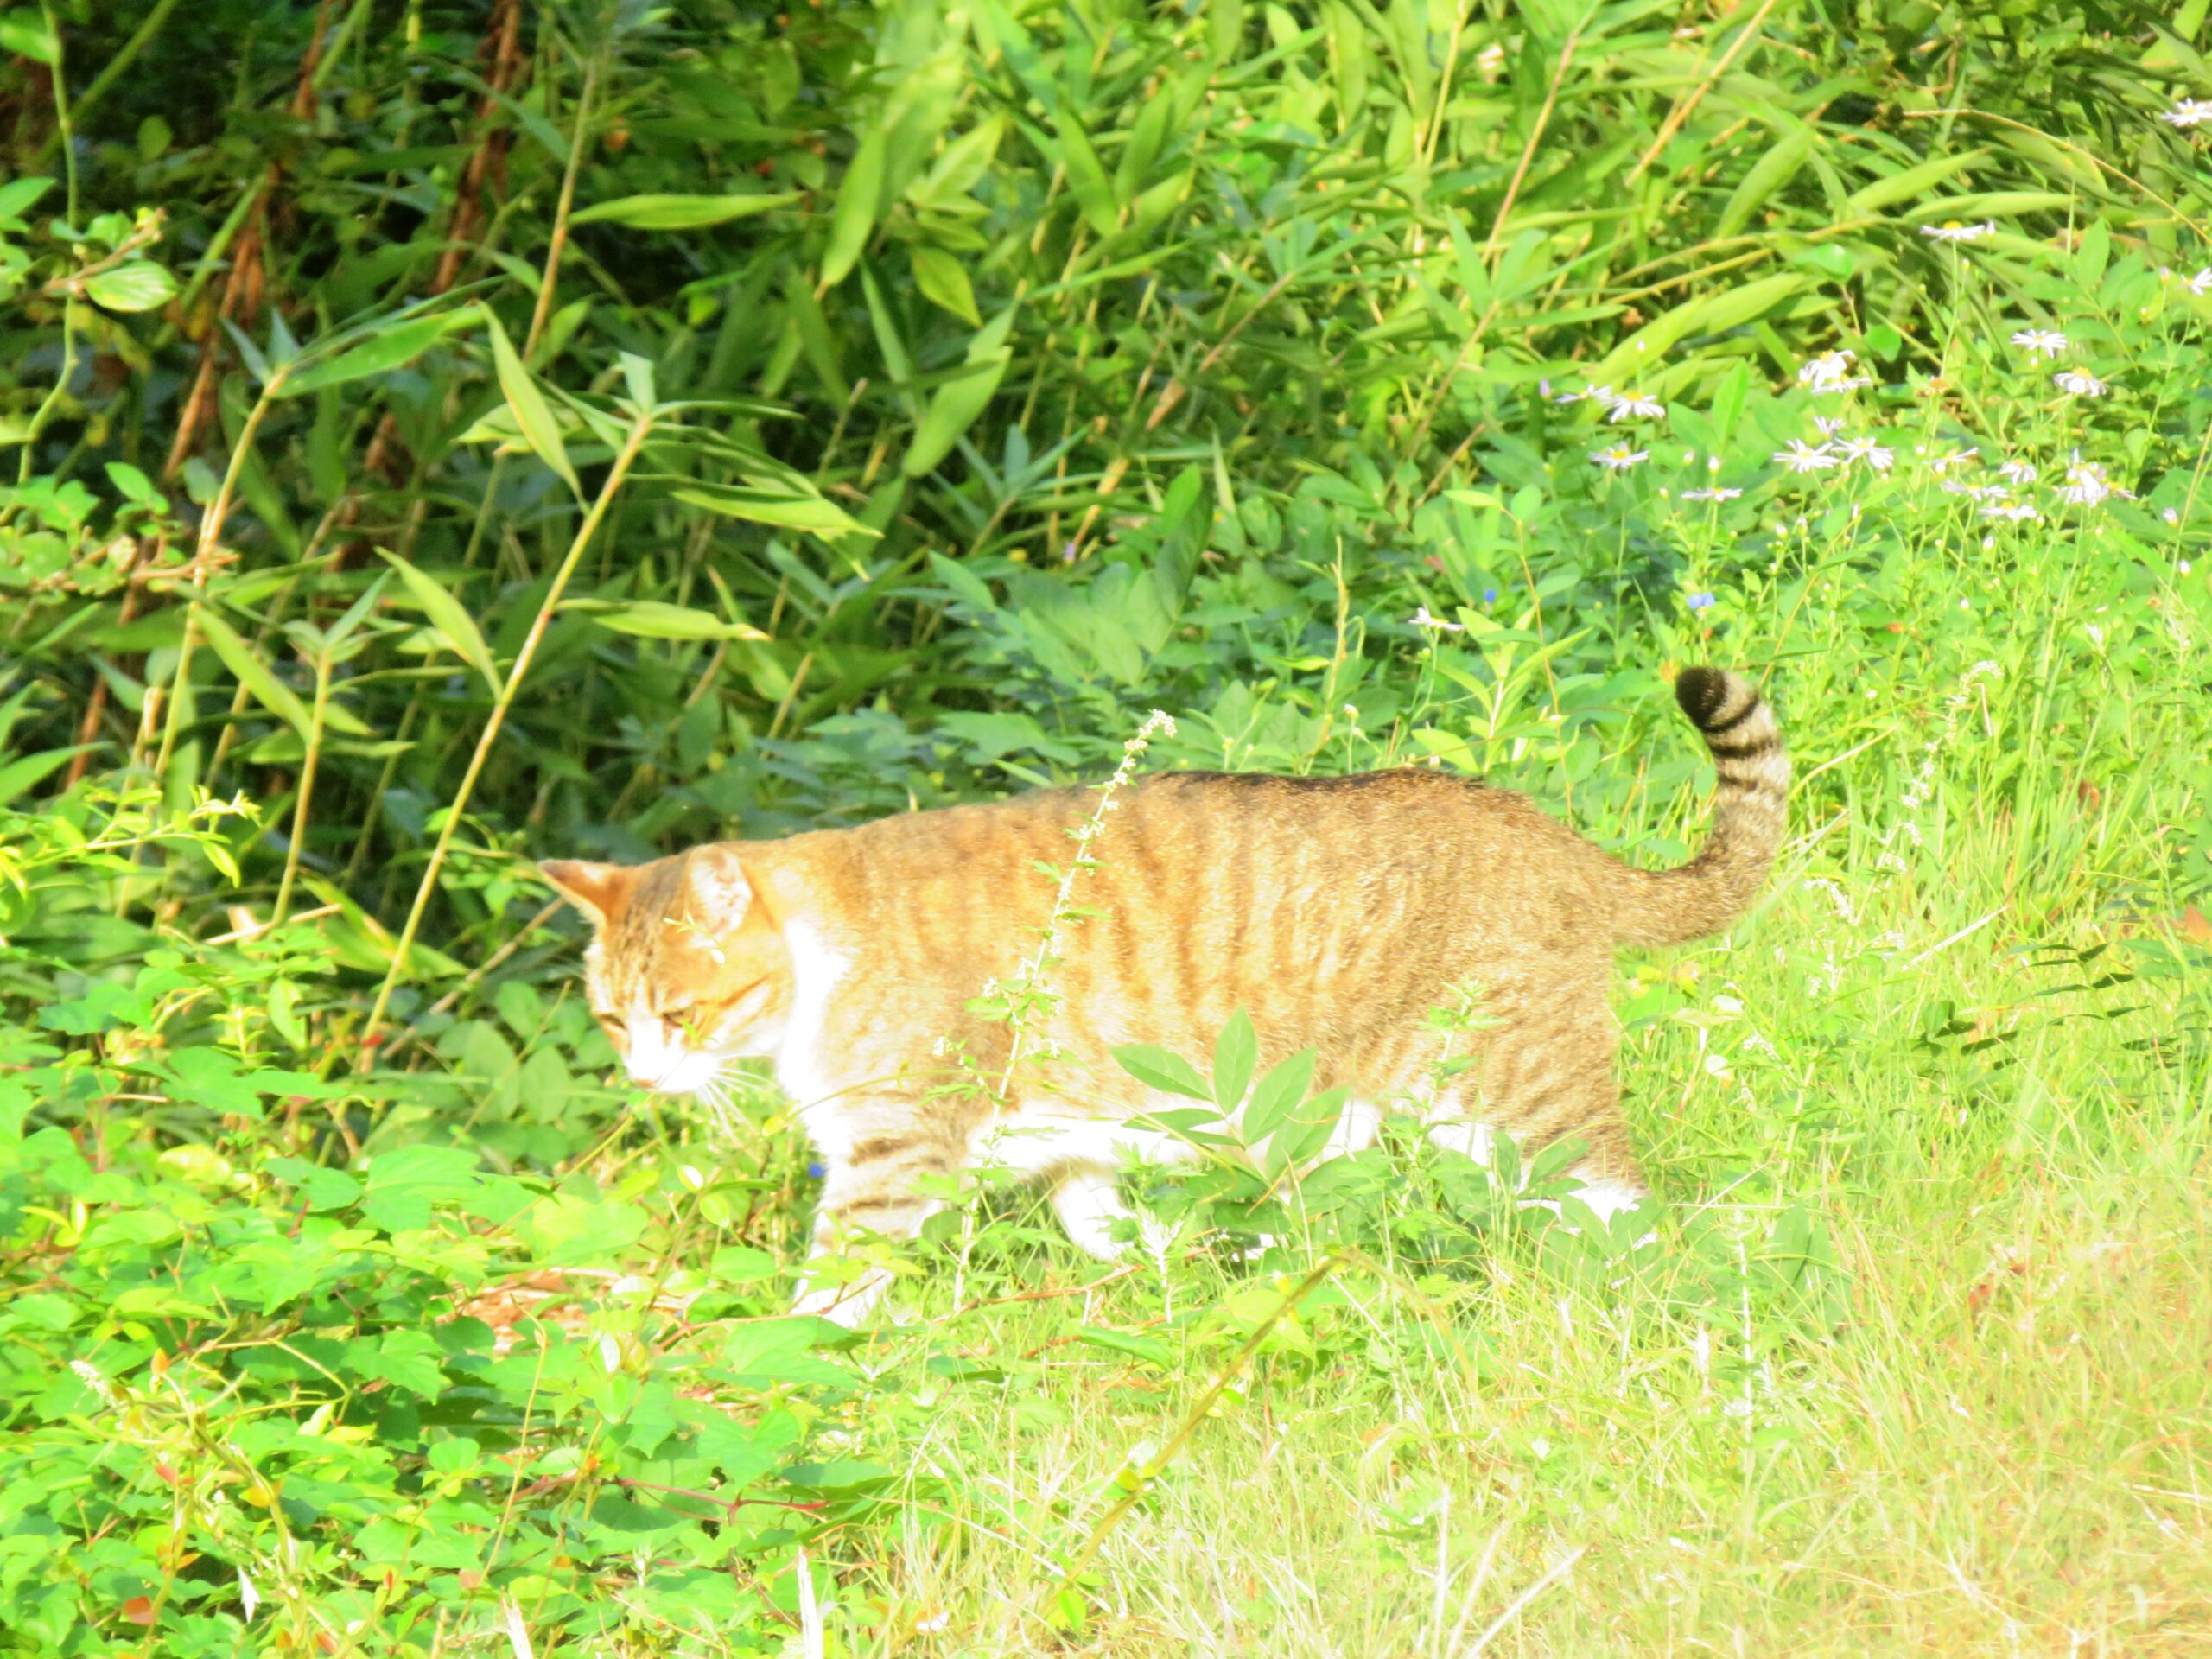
[(441, 433)]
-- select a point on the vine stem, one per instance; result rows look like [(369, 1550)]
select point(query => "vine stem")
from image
[(632, 443)]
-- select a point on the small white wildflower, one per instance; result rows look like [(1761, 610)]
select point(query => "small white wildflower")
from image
[(2046, 342), (2201, 284), (2077, 383), (1951, 231), (2182, 565), (249, 1598), (1867, 450), (2086, 484), (1718, 493), (1828, 424), (1800, 457), (1830, 372), (2171, 516), (2019, 472), (610, 1354), (1689, 456), (2189, 112), (1421, 619), (1618, 457), (1939, 464), (1628, 406), (2013, 511)]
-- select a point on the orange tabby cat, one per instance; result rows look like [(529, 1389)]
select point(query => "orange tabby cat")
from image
[(1336, 911)]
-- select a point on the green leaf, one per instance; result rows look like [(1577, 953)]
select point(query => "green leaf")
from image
[(1907, 182), (1767, 175), (382, 352), (1642, 353), (19, 196), (252, 673), (1236, 1050), (955, 405), (533, 416), (854, 217), (30, 770), (1156, 1068), (654, 618), (1151, 1350), (1087, 180), (679, 213), (134, 285), (761, 505), (944, 281), (25, 33), (450, 618), (1275, 1096)]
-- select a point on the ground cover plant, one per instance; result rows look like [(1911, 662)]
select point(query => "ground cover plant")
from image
[(444, 433)]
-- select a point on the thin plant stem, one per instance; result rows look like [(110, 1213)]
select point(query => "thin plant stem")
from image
[(632, 443), (550, 281), (203, 556), (306, 788)]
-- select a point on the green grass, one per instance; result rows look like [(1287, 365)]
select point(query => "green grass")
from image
[(388, 513)]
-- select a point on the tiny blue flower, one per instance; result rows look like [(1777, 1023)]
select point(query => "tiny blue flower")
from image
[(1489, 595), (1702, 602), (818, 1171)]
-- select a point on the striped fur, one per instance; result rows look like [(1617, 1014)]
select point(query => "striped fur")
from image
[(1338, 913)]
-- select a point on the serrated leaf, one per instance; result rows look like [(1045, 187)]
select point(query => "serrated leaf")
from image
[(136, 285), (533, 415), (1156, 1068), (679, 213), (450, 618)]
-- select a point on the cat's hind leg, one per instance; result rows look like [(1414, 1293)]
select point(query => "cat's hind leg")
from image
[(1090, 1204), (872, 1188)]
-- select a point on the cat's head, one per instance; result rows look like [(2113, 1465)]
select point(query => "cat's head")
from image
[(686, 969)]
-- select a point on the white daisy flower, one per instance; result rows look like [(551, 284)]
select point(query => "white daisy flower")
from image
[(2019, 472), (1618, 457), (2201, 284), (1951, 231), (1621, 406), (1867, 450), (1828, 424), (2171, 516), (1939, 464), (1800, 457), (1594, 394), (1718, 493), (2046, 342), (2013, 511), (2086, 484), (2077, 383), (1421, 619), (1830, 372), (2189, 112)]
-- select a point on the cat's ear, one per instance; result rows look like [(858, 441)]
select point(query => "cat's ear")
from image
[(719, 890), (595, 889)]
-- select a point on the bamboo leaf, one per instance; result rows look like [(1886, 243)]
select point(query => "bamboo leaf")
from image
[(956, 405), (679, 213), (853, 218), (450, 618), (381, 352), (944, 281), (533, 415), (262, 684)]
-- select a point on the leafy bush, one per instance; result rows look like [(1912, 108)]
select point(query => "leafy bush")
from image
[(449, 432)]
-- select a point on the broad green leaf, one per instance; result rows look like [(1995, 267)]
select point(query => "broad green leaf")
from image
[(1153, 1351), (944, 281), (134, 285), (533, 415), (30, 770), (959, 166), (1156, 1068), (854, 217), (677, 212), (654, 618), (25, 33), (1236, 1050), (450, 618), (380, 353)]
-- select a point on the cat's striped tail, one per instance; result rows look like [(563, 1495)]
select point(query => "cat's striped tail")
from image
[(1749, 814)]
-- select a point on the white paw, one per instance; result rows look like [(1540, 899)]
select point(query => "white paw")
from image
[(846, 1304)]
